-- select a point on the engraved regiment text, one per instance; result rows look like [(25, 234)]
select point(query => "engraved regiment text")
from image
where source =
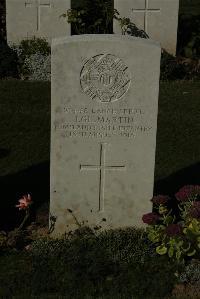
[(102, 123)]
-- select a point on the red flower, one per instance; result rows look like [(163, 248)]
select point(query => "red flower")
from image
[(173, 230), (186, 192), (24, 202), (150, 218), (195, 210), (160, 199)]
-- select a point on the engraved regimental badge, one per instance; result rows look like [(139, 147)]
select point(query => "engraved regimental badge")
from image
[(105, 78)]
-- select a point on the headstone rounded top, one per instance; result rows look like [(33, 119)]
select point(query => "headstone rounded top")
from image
[(104, 37)]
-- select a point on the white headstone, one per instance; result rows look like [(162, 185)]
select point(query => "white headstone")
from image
[(158, 18), (103, 133), (39, 18)]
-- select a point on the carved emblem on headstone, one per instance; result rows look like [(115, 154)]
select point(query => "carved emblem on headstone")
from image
[(105, 78)]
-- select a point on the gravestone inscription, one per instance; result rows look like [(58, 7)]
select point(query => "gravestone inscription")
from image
[(103, 134), (158, 18), (39, 18)]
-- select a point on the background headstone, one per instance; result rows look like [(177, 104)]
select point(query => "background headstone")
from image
[(103, 135), (39, 18), (3, 19), (159, 19)]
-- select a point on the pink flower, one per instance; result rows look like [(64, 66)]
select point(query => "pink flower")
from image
[(24, 202), (160, 199), (195, 210), (186, 192), (28, 247), (150, 218), (173, 230)]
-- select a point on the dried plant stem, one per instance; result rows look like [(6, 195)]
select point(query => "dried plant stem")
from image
[(24, 220)]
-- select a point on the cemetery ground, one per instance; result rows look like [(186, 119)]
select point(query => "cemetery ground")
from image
[(88, 264)]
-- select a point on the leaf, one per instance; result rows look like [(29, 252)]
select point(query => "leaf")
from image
[(191, 253), (178, 255), (171, 251), (169, 220), (187, 248), (162, 249)]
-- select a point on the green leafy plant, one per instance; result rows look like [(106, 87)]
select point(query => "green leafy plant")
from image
[(98, 18), (176, 233), (29, 47), (33, 58), (87, 18), (189, 36), (128, 27)]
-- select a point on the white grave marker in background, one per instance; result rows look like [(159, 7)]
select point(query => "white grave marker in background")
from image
[(158, 18), (39, 18)]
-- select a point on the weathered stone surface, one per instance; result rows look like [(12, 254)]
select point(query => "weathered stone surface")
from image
[(159, 18), (103, 134), (39, 18)]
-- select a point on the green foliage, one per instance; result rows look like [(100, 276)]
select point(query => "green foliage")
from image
[(15, 239), (189, 36), (127, 245), (176, 234), (170, 68), (33, 46), (89, 19), (191, 273), (88, 264), (33, 55), (116, 262), (98, 18), (128, 27)]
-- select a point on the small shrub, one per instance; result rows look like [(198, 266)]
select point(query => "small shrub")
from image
[(101, 264), (90, 19), (33, 46), (98, 18), (178, 68), (189, 36), (176, 231), (34, 59), (128, 245), (170, 68), (37, 67), (191, 273)]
